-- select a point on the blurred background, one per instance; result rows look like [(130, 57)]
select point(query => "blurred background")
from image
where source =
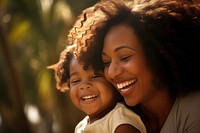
[(32, 35)]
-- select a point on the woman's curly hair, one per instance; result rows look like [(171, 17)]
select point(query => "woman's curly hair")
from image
[(81, 34), (168, 29)]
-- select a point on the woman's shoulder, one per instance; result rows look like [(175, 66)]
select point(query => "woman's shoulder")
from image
[(191, 99), (188, 107), (184, 115)]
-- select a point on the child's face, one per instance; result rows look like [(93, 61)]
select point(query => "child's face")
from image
[(90, 91)]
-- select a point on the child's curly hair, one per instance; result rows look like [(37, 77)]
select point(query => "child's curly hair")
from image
[(80, 35), (61, 68)]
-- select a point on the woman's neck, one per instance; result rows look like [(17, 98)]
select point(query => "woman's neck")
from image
[(156, 111)]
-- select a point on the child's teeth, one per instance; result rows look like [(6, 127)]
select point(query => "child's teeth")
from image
[(88, 97)]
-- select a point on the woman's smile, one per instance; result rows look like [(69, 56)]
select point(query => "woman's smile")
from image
[(126, 88), (125, 64)]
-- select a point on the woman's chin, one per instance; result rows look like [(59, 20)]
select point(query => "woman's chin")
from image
[(130, 101)]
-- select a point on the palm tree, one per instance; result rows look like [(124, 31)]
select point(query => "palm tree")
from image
[(32, 34)]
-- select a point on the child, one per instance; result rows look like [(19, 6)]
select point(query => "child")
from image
[(94, 95)]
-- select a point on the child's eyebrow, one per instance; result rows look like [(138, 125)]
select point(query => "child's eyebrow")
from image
[(73, 73)]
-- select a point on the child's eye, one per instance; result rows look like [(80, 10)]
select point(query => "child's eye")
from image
[(74, 81)]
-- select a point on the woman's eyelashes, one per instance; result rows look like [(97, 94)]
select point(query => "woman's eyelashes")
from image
[(97, 75), (106, 63), (124, 58)]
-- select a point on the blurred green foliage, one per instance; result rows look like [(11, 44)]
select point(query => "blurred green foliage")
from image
[(32, 34)]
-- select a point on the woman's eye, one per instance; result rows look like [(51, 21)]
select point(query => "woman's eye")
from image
[(106, 63), (97, 75), (125, 58)]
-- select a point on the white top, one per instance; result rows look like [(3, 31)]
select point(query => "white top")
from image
[(119, 115), (184, 116)]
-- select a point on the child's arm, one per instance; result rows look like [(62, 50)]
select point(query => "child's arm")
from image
[(126, 128)]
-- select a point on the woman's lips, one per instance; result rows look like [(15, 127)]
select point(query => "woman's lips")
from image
[(126, 87), (125, 84)]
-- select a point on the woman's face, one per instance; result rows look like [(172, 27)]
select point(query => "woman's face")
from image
[(126, 66), (89, 90)]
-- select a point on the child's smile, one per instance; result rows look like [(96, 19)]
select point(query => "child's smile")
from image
[(89, 90)]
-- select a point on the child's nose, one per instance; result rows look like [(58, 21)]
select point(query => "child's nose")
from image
[(85, 86)]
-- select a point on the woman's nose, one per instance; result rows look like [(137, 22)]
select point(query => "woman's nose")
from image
[(114, 70), (85, 85)]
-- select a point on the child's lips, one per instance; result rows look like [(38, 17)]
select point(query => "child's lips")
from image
[(88, 97)]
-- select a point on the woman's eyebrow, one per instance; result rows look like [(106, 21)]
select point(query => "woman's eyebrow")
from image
[(118, 48), (121, 47)]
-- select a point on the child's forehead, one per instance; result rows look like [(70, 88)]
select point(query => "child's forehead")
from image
[(75, 62)]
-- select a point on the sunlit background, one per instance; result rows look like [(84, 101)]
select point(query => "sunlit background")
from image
[(32, 34)]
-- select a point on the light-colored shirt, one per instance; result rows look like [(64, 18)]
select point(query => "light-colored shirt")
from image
[(108, 124), (184, 116)]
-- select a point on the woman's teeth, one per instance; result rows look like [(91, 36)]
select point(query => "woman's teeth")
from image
[(125, 84)]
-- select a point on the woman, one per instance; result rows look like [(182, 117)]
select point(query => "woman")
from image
[(149, 50)]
